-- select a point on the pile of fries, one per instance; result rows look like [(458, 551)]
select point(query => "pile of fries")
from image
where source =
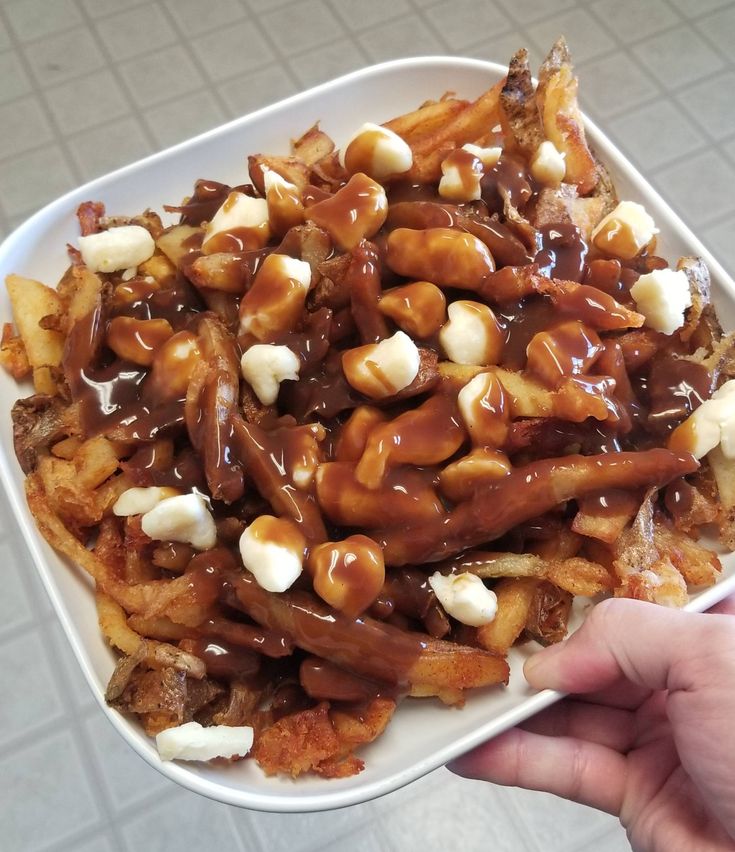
[(563, 483)]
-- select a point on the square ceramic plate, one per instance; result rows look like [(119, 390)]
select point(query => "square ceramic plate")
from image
[(424, 734)]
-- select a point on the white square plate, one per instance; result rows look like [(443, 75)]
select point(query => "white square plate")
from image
[(424, 734)]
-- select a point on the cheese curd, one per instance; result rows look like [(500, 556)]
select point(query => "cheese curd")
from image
[(382, 369), (117, 248), (662, 296), (276, 299), (711, 424), (239, 212), (461, 176), (487, 156), (548, 165), (138, 501), (191, 741), (376, 151), (264, 366), (184, 518), (272, 549), (472, 335), (465, 597), (625, 232)]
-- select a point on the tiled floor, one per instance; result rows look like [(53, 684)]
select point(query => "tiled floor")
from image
[(88, 85)]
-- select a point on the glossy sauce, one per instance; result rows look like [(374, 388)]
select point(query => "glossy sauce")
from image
[(420, 309), (353, 213), (562, 253), (508, 178), (568, 349), (676, 388), (466, 171), (363, 645), (348, 574), (488, 413), (238, 240), (324, 681), (223, 659), (359, 155), (208, 197)]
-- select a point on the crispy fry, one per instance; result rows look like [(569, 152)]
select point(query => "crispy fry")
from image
[(155, 654), (574, 575), (426, 119), (407, 658), (518, 102), (515, 598), (32, 302), (548, 483), (13, 356), (562, 120), (469, 124)]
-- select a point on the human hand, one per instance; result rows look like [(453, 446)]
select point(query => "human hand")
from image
[(650, 732)]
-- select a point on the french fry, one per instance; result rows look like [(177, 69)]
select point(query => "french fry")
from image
[(32, 303), (474, 121), (562, 119), (574, 575), (312, 146), (515, 597), (175, 243), (605, 522), (426, 119), (13, 355)]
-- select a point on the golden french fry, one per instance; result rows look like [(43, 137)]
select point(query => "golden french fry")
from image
[(32, 303), (426, 119), (176, 242), (515, 597)]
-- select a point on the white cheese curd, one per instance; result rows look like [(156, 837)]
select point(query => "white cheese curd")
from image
[(184, 518), (117, 248), (711, 424), (191, 741), (386, 152), (382, 369), (279, 291), (275, 565), (264, 366), (453, 186), (138, 501), (487, 156), (465, 597), (237, 211), (548, 165), (466, 337), (625, 231), (662, 296)]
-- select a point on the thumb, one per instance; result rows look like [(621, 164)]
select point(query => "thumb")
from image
[(647, 644)]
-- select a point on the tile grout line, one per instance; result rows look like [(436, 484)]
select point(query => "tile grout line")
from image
[(39, 92), (696, 24), (334, 5), (273, 44), (430, 26), (113, 68), (210, 86), (76, 727)]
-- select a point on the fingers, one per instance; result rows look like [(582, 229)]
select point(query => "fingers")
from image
[(644, 643), (726, 607), (606, 726), (584, 772), (620, 693)]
